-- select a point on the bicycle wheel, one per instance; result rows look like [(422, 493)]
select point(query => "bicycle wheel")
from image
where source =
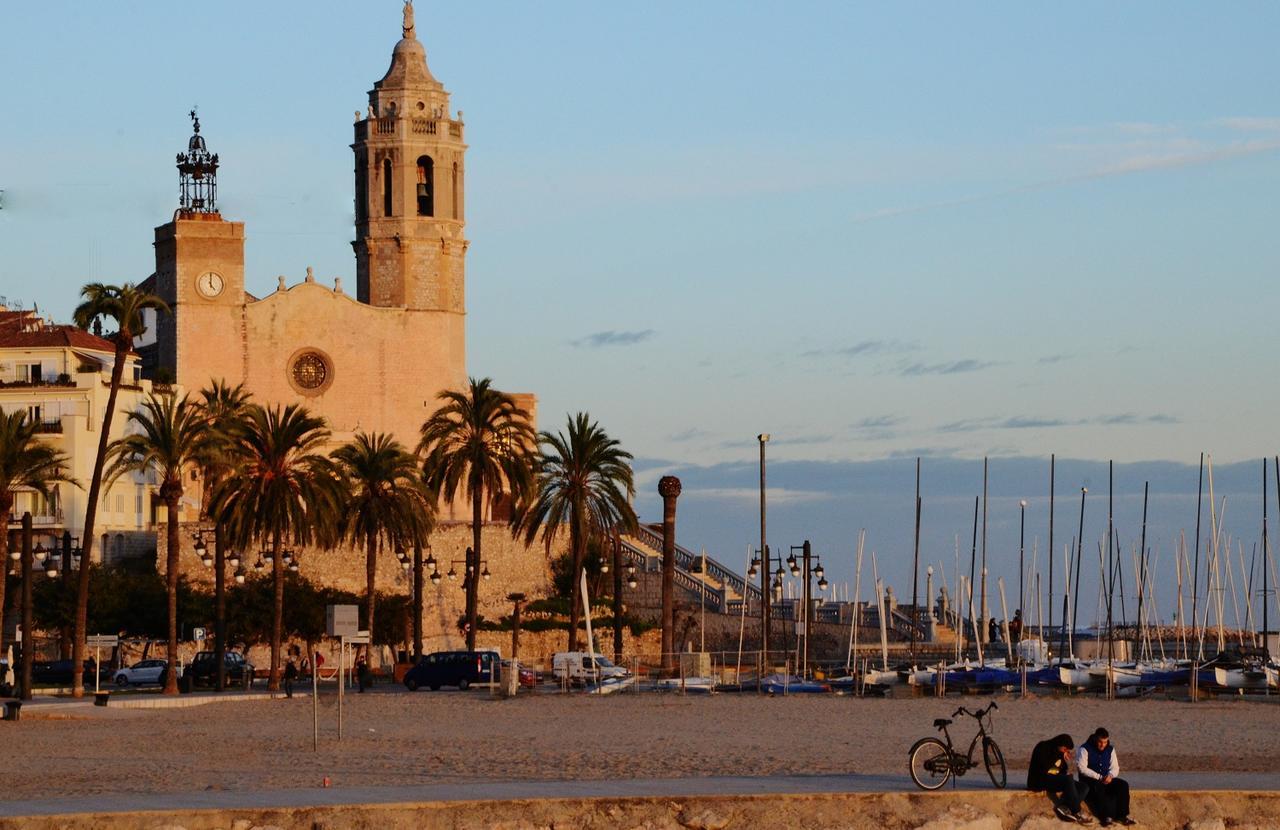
[(994, 759), (930, 763)]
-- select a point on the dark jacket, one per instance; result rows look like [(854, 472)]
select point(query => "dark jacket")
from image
[(1046, 764)]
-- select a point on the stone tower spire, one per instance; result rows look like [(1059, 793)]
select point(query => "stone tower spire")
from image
[(409, 161)]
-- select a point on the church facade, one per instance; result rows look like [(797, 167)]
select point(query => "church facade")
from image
[(372, 361)]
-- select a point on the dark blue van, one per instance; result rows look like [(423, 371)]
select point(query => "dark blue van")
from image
[(453, 668)]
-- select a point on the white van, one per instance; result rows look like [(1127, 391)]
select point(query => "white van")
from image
[(579, 666)]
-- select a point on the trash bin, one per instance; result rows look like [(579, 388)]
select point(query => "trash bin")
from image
[(101, 698), (13, 710)]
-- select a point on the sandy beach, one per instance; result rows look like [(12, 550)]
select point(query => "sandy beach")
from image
[(399, 739)]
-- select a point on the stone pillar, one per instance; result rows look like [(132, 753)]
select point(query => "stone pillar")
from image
[(669, 489)]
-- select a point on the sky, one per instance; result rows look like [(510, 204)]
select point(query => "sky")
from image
[(874, 231)]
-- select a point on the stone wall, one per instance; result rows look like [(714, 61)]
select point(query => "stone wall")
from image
[(514, 566)]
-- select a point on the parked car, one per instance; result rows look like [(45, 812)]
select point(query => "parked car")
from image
[(203, 670), (452, 668), (60, 673), (143, 673), (580, 667)]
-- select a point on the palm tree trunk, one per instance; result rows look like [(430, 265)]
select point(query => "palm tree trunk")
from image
[(417, 603), (370, 576), (473, 574), (171, 583), (277, 617), (576, 555), (6, 510), (90, 519)]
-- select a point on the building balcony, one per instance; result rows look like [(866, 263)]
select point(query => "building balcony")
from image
[(61, 381)]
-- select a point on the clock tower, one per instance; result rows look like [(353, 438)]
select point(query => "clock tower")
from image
[(409, 171), (199, 273)]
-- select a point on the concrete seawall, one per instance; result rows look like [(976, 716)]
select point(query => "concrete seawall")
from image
[(987, 810)]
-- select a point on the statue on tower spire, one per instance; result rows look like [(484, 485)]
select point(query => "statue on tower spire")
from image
[(408, 19)]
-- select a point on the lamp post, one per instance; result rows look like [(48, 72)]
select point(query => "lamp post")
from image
[(617, 596), (216, 561), (1022, 550), (763, 438), (806, 570), (764, 567), (928, 603)]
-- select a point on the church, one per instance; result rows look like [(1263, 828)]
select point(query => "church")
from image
[(372, 360), (369, 360)]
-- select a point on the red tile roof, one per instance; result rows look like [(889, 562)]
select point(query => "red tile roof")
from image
[(25, 330)]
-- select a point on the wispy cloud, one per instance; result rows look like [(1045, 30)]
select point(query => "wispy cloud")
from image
[(690, 434), (1251, 124), (613, 338), (953, 367), (1125, 148), (751, 495), (865, 348), (1054, 358), (880, 422), (1035, 422)]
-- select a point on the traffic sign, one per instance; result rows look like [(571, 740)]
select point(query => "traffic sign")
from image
[(101, 641), (197, 633), (341, 620), (359, 638)]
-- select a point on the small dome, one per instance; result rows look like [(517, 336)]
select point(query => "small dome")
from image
[(196, 144)]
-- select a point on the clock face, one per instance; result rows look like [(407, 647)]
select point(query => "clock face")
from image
[(209, 283)]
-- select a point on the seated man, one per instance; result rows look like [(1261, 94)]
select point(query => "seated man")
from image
[(1050, 772), (1106, 792)]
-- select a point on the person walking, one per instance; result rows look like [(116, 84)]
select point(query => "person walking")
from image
[(290, 675), (362, 673), (1106, 793), (1050, 772), (1015, 626)]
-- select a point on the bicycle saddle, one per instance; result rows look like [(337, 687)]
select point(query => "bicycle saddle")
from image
[(938, 723)]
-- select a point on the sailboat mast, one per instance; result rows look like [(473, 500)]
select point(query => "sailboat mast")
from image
[(915, 570), (1112, 554), (1052, 479), (1195, 569), (973, 559), (1142, 552), (1075, 600)]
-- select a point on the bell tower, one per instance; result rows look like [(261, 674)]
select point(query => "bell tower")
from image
[(200, 274), (409, 159)]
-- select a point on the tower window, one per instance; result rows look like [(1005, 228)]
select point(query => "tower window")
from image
[(457, 185), (362, 189), (386, 187), (426, 186)]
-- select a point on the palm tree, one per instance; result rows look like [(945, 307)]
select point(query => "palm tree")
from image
[(172, 438), (124, 306), (584, 481), (478, 441), (386, 500), (223, 407), (25, 462), (280, 489)]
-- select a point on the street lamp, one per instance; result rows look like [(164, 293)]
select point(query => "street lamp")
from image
[(809, 568), (763, 438), (1022, 549)]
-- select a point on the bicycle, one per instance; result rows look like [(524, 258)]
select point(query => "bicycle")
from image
[(932, 762)]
